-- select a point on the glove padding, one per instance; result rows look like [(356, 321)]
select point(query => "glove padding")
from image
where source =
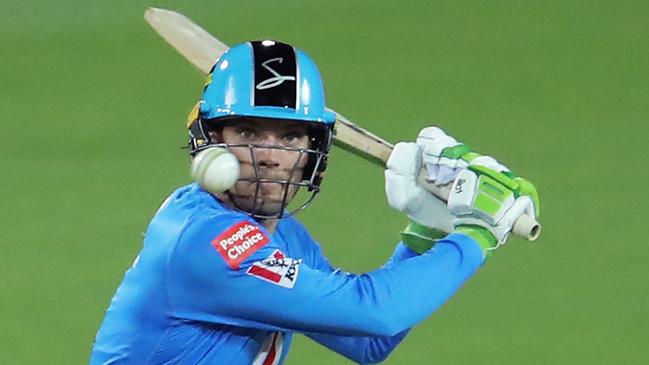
[(493, 200), (444, 157), (406, 195)]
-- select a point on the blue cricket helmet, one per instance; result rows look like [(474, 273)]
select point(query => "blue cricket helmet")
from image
[(265, 79)]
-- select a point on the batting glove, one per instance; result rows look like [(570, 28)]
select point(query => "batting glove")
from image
[(486, 204), (443, 157)]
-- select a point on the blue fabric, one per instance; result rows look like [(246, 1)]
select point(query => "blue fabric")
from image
[(181, 302)]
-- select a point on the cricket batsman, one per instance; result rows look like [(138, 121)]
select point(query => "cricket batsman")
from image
[(229, 277)]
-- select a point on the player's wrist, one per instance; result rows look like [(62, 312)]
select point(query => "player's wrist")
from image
[(483, 237), (420, 238)]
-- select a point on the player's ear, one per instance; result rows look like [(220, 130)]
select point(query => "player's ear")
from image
[(216, 135)]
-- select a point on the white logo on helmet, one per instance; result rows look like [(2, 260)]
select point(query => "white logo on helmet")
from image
[(277, 79)]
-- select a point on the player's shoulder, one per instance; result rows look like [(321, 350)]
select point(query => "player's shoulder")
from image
[(211, 231), (190, 214), (191, 199), (179, 210), (302, 242), (291, 227), (205, 215), (292, 224)]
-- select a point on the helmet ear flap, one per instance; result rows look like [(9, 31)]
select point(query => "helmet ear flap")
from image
[(198, 137), (321, 138), (319, 175)]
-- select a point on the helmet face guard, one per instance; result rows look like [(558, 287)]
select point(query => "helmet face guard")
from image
[(310, 179), (270, 81)]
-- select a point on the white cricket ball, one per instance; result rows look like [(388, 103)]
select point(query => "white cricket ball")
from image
[(216, 169)]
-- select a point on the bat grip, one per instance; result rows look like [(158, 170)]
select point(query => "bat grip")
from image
[(525, 226)]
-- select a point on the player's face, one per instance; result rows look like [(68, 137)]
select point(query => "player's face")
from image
[(275, 161)]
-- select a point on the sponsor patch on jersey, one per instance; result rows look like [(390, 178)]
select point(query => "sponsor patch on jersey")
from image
[(239, 242), (276, 269)]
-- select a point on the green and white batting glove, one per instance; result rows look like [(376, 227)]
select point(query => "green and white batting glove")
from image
[(486, 204), (443, 158)]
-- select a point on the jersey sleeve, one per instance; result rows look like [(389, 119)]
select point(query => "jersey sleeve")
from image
[(213, 277), (364, 349)]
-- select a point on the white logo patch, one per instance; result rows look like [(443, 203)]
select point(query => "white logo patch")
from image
[(277, 79), (276, 269)]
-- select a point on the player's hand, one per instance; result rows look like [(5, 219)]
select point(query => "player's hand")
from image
[(442, 157), (486, 204)]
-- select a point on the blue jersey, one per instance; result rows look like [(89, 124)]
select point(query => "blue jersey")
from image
[(213, 286)]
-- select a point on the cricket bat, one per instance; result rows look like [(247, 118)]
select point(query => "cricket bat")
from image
[(202, 50)]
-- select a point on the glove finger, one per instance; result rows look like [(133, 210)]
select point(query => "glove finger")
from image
[(400, 190), (489, 162), (446, 175), (435, 147), (432, 171), (405, 159), (429, 134), (448, 170)]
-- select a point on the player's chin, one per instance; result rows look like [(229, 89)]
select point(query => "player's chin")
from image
[(264, 206), (266, 199)]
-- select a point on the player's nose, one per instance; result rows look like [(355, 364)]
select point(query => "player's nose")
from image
[(268, 157), (266, 161)]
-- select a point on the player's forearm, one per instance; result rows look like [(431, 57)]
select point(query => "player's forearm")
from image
[(363, 350), (367, 349), (401, 253), (392, 299), (405, 294)]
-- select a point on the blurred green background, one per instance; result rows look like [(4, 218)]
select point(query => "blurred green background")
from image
[(92, 111)]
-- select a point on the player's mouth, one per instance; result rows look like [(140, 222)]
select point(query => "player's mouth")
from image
[(267, 191)]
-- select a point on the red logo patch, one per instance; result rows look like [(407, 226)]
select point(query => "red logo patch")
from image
[(239, 242)]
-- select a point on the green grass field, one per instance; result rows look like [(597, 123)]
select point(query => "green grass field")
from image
[(93, 104)]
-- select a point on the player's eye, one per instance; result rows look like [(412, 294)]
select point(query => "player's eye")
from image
[(293, 137), (247, 133)]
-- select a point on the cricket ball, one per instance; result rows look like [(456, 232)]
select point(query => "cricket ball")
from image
[(216, 169)]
